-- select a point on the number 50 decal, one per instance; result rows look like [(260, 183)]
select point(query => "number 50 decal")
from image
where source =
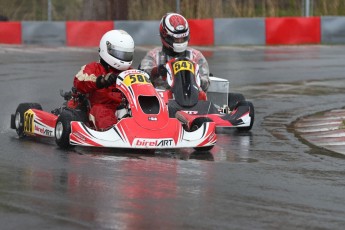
[(136, 79), (183, 65)]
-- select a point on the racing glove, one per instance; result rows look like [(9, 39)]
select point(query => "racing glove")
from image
[(162, 71), (205, 83), (106, 81), (159, 71)]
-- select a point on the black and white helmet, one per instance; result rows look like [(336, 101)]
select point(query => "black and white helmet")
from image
[(116, 48)]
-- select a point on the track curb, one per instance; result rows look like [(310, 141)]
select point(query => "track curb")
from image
[(325, 130)]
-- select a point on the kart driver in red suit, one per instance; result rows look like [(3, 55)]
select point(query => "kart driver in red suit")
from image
[(97, 79)]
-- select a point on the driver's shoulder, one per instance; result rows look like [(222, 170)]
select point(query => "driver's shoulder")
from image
[(194, 51), (155, 51)]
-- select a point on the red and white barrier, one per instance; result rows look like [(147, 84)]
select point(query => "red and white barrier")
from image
[(294, 30), (10, 32), (204, 32)]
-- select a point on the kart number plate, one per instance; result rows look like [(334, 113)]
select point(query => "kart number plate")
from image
[(183, 65), (136, 79), (29, 121)]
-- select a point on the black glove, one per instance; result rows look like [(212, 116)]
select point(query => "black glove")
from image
[(106, 81), (162, 71)]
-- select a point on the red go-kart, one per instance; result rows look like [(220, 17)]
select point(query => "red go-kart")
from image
[(145, 124)]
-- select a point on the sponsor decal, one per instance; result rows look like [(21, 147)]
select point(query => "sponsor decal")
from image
[(153, 119), (180, 27), (80, 136), (183, 35), (190, 112), (43, 131), (140, 142)]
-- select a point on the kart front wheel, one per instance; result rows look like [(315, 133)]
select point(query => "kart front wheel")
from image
[(196, 124), (204, 149), (251, 114), (234, 99), (17, 119), (63, 128)]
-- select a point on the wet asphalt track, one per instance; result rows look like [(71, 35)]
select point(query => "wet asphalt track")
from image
[(266, 179)]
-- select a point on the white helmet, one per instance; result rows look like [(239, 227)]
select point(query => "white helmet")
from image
[(117, 48)]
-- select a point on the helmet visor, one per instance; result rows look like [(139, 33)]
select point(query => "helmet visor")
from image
[(176, 39), (180, 40), (122, 55)]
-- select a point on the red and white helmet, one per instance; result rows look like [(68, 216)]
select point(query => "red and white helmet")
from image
[(116, 48), (174, 32)]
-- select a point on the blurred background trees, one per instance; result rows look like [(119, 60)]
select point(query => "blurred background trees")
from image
[(63, 10)]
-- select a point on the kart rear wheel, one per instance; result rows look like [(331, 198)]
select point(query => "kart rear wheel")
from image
[(251, 114), (234, 99), (196, 124), (63, 128), (17, 119)]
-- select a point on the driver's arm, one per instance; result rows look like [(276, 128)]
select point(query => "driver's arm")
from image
[(204, 70)]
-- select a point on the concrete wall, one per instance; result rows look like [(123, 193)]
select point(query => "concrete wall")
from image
[(333, 30), (143, 32), (239, 31), (44, 33)]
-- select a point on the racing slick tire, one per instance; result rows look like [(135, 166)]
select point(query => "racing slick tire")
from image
[(63, 128), (234, 99), (17, 119), (197, 123), (251, 114)]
